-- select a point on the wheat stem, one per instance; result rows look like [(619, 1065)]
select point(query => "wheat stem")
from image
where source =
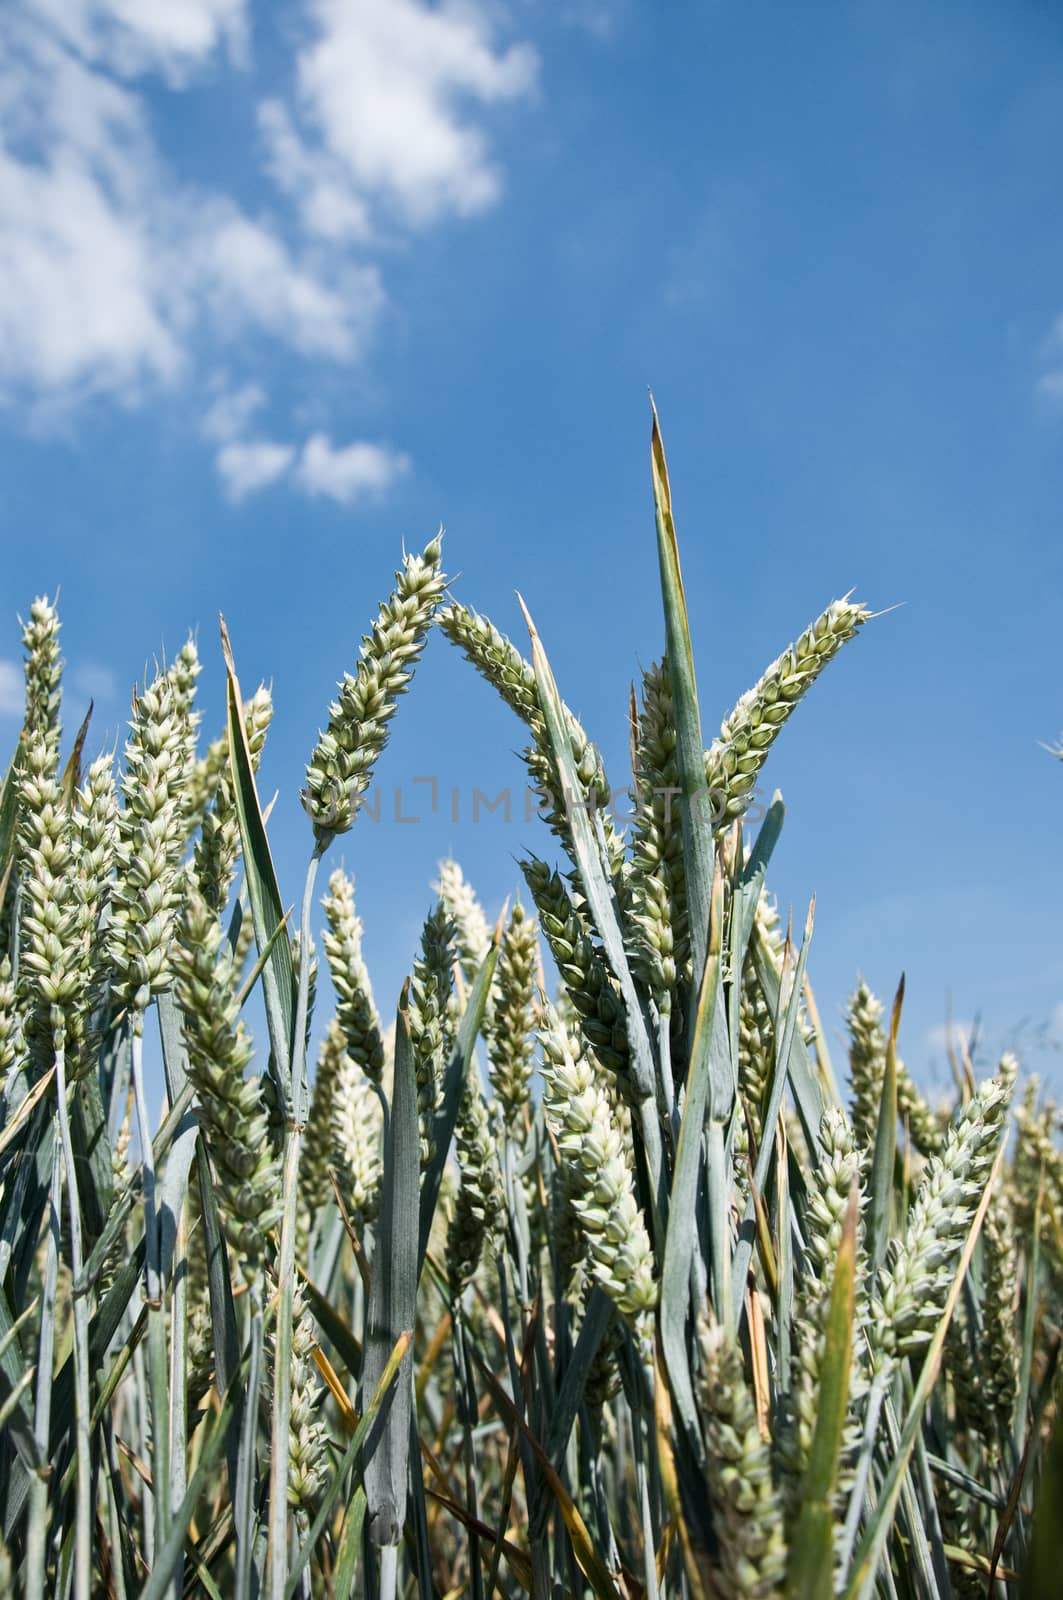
[(876, 1397), (83, 1532), (389, 1571), (278, 1496), (37, 1527), (157, 1356), (243, 1502), (178, 1431)]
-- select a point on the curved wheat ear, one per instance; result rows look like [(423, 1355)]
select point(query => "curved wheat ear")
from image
[(497, 659), (581, 1119), (501, 663), (340, 768), (734, 760)]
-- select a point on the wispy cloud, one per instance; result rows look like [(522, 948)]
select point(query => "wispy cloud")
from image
[(1050, 382), (249, 279), (229, 415), (700, 264), (599, 17)]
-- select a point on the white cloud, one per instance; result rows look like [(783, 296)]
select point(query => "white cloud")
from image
[(109, 266), (78, 302), (247, 466), (382, 90), (131, 36), (329, 207), (118, 274), (228, 416), (249, 278), (12, 689), (248, 462), (80, 307), (349, 472)]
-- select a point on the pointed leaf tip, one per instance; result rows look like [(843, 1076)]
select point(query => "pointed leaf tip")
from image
[(659, 464), (226, 645), (527, 616), (895, 1019)]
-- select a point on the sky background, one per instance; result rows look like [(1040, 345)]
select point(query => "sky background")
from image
[(284, 286)]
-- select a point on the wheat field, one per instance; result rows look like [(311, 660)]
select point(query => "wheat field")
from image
[(582, 1270)]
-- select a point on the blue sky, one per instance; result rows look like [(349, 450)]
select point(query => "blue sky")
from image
[(281, 287)]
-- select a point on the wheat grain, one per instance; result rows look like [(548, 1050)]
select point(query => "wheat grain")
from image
[(338, 774), (232, 1106), (910, 1291), (44, 674), (746, 1504), (472, 935), (734, 760), (509, 1031), (582, 1121), (146, 893), (356, 1011)]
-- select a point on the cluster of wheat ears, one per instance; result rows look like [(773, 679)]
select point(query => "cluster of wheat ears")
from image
[(598, 1283)]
